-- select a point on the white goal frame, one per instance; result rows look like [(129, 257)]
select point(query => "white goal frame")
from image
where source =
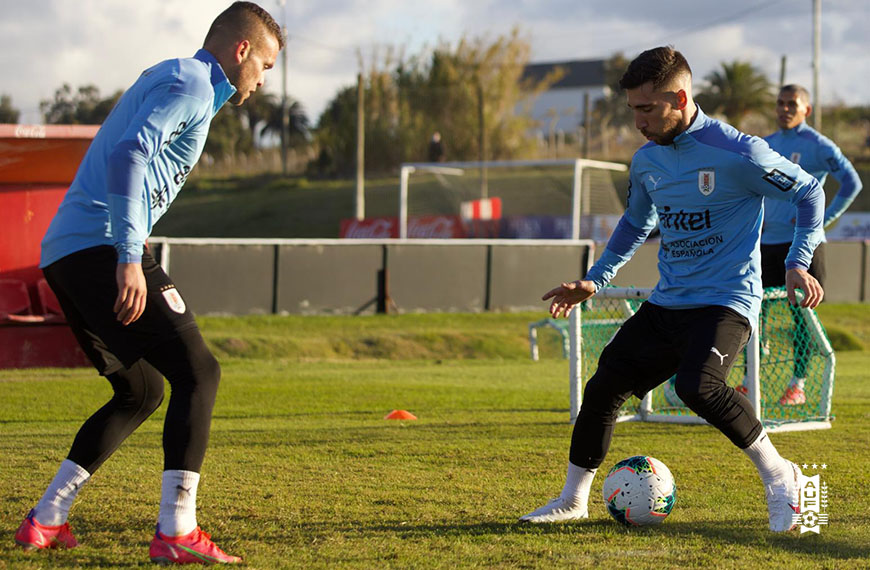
[(458, 169), (752, 380)]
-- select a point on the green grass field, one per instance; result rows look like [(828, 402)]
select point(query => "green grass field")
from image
[(304, 472)]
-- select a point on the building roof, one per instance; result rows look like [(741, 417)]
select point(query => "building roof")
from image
[(587, 73)]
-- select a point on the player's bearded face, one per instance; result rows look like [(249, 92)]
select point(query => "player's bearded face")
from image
[(250, 72), (655, 114)]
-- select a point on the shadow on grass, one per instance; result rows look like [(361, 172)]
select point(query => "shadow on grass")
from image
[(739, 534)]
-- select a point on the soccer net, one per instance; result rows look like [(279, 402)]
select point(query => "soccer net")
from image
[(790, 342), (558, 194)]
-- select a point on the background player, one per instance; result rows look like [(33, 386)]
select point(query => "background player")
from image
[(703, 182), (819, 156), (124, 310)]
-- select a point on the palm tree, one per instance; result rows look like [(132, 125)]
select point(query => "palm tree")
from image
[(264, 116), (736, 90)]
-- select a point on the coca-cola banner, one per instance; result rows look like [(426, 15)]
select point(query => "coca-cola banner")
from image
[(419, 227), (369, 228)]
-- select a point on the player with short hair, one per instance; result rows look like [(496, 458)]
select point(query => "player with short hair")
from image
[(819, 156), (124, 310), (702, 182)]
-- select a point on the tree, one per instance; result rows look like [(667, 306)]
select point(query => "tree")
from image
[(227, 137), (264, 115), (736, 90), (84, 107), (443, 89), (610, 112), (8, 113)]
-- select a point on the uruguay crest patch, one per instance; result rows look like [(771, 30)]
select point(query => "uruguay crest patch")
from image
[(174, 301), (706, 181)]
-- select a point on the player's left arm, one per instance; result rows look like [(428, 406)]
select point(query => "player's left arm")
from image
[(842, 170), (776, 177)]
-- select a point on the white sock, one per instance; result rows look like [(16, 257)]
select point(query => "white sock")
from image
[(767, 460), (578, 482), (798, 382), (53, 508), (178, 502)]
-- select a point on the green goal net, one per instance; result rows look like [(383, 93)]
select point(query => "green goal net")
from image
[(786, 370)]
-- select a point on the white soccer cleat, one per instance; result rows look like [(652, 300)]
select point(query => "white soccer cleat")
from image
[(783, 504), (557, 510)]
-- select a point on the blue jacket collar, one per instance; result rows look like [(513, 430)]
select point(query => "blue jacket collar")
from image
[(699, 121), (223, 89)]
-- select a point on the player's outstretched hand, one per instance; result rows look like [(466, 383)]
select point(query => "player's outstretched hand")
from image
[(801, 279), (567, 295), (132, 292)]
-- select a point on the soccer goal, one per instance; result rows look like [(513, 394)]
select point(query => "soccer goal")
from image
[(558, 193), (788, 341)]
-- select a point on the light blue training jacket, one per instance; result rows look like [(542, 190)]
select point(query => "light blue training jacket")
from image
[(705, 191), (139, 159), (819, 156)]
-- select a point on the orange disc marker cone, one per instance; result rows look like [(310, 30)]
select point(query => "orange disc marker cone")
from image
[(400, 415)]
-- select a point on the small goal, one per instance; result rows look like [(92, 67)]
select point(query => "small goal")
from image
[(787, 341)]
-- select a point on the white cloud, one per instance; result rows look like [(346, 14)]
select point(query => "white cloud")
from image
[(109, 42)]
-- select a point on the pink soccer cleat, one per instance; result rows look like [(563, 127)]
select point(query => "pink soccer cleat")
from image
[(31, 535), (793, 396), (195, 547)]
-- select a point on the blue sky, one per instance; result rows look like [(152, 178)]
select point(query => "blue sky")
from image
[(109, 42)]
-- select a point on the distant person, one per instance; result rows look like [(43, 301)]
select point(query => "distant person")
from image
[(819, 156), (124, 310), (703, 182), (436, 148)]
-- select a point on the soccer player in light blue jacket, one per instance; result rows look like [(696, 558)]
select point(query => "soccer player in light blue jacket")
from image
[(126, 313), (819, 156), (702, 182)]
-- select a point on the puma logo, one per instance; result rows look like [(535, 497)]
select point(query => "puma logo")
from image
[(655, 181), (721, 356)]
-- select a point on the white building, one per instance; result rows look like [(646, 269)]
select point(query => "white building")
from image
[(560, 108)]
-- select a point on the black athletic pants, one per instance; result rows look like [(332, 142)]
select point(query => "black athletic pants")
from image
[(699, 345), (163, 342)]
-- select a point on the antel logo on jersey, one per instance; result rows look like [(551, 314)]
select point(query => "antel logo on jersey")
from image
[(683, 220), (706, 181), (780, 179)]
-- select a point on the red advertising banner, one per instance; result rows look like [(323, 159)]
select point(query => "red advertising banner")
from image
[(419, 227)]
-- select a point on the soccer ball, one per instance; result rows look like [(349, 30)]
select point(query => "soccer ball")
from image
[(639, 491)]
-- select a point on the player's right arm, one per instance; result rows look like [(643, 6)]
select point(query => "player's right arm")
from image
[(774, 176), (632, 230)]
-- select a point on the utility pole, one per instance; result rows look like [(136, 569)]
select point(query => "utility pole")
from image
[(587, 124), (360, 148), (285, 105), (481, 114), (782, 71), (817, 49)]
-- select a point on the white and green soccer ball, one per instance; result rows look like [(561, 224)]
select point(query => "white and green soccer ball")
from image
[(640, 491)]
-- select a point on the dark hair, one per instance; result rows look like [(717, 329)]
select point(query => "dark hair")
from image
[(798, 90), (244, 18), (659, 65)]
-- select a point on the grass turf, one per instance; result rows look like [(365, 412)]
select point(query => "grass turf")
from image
[(304, 472)]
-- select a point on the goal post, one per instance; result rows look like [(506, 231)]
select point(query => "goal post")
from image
[(469, 180), (785, 340)]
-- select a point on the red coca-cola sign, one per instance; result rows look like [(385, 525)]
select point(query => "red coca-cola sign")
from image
[(369, 228), (419, 227), (435, 227)]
